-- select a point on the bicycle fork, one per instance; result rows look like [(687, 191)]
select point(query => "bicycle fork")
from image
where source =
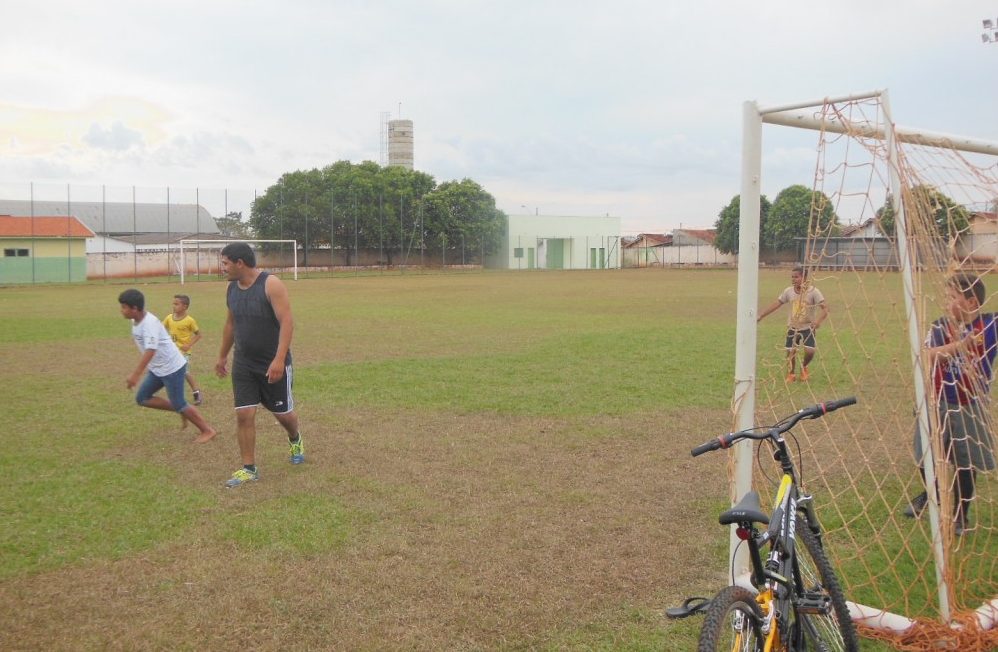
[(768, 626), (767, 582), (772, 578)]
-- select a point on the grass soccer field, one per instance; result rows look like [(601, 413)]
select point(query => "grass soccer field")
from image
[(493, 461)]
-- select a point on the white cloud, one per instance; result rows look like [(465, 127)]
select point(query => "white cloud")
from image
[(117, 137), (632, 108)]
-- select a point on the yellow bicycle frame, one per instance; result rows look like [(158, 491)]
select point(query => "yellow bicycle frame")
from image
[(765, 598), (782, 491)]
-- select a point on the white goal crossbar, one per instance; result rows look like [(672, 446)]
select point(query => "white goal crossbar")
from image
[(196, 243), (785, 116)]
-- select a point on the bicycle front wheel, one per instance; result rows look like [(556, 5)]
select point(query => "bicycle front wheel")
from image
[(732, 623), (828, 628)]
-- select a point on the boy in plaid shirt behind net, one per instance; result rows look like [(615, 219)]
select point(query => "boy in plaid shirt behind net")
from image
[(960, 348)]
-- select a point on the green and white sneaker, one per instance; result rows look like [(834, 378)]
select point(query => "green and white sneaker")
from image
[(241, 476), (297, 451)]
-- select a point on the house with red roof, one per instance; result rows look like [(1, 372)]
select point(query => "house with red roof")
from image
[(43, 249), (687, 247), (644, 249)]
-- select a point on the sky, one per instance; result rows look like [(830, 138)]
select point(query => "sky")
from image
[(627, 108)]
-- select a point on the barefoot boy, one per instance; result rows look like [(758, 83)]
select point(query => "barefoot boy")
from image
[(165, 363)]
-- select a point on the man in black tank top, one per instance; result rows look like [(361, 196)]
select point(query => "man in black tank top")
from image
[(260, 325)]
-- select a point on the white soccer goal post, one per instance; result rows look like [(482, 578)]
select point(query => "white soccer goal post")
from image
[(867, 165), (213, 247)]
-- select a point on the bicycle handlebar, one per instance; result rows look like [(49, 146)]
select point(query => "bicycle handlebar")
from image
[(831, 406), (813, 412)]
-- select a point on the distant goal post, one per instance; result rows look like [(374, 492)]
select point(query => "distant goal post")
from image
[(216, 246)]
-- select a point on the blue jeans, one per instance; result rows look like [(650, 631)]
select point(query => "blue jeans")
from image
[(174, 384)]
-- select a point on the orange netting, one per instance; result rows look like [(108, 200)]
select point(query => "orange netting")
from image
[(859, 462)]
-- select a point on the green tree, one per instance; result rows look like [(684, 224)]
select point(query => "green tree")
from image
[(463, 214), (885, 217), (791, 213), (232, 225), (343, 205), (728, 220), (948, 217), (289, 210), (365, 206), (402, 195)]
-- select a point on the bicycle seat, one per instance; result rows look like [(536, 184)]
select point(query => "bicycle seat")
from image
[(747, 509)]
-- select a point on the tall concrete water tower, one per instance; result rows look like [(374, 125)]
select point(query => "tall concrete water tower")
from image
[(400, 143)]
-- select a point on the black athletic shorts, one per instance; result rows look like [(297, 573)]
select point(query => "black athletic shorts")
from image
[(804, 336), (250, 388)]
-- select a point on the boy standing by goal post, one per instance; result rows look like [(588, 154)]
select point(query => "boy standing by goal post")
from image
[(806, 301)]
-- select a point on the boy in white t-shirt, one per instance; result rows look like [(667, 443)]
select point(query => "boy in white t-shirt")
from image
[(806, 301), (166, 364)]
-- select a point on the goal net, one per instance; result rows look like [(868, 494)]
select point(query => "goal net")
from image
[(196, 257), (896, 217)]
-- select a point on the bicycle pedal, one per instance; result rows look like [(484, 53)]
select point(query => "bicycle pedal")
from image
[(814, 603), (691, 606)]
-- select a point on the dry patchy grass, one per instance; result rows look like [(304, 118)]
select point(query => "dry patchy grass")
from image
[(494, 461), (408, 527), (465, 532)]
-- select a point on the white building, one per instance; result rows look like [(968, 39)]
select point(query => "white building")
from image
[(559, 242), (980, 245)]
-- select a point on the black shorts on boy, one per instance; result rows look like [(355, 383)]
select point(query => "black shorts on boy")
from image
[(804, 336)]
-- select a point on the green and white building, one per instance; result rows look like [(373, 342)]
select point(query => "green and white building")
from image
[(43, 249), (559, 242)]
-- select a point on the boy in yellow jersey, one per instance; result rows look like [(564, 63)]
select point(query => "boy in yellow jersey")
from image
[(185, 333)]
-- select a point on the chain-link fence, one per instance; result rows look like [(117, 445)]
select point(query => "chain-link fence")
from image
[(75, 233)]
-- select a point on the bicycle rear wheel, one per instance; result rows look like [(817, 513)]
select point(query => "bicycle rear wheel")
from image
[(829, 629), (732, 623)]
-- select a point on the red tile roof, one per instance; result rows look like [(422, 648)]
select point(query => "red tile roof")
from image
[(707, 235), (649, 240), (43, 227)]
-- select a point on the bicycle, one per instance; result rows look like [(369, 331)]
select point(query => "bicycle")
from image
[(798, 602)]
